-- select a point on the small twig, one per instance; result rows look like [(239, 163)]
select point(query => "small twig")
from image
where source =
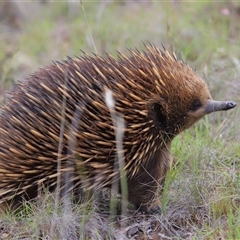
[(118, 123), (85, 16)]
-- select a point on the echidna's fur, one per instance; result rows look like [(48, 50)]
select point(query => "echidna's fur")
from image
[(158, 95)]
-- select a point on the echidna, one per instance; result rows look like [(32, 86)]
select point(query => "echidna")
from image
[(60, 112)]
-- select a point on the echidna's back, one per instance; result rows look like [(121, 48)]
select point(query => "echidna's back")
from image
[(66, 98), (31, 123)]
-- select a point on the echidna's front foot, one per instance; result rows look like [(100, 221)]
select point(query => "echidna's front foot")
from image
[(152, 210)]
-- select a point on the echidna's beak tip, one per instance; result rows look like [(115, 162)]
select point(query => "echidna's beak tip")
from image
[(230, 105)]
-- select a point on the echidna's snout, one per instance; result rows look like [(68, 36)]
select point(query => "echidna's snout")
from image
[(213, 106)]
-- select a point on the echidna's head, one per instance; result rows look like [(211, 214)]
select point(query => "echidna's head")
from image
[(181, 97)]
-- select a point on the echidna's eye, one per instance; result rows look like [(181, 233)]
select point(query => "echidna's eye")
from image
[(159, 114), (196, 105)]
